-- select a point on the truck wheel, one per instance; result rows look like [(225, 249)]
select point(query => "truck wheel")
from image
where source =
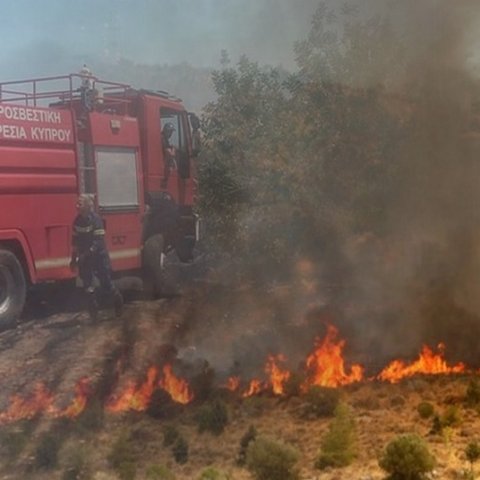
[(153, 257), (13, 289)]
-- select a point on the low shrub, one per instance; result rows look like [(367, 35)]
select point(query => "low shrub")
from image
[(321, 401), (159, 472), (211, 473), (170, 435), (472, 395), (425, 410), (452, 417), (122, 458), (212, 417), (180, 451), (77, 466), (248, 437), (407, 458), (268, 459), (46, 452)]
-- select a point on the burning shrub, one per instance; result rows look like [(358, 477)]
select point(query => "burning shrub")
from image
[(268, 459), (293, 384), (212, 417), (407, 458), (425, 409), (321, 401), (180, 451), (339, 444), (202, 383), (248, 437), (159, 472), (213, 474), (122, 459)]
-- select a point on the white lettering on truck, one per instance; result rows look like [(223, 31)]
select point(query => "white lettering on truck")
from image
[(50, 134), (12, 132), (30, 114)]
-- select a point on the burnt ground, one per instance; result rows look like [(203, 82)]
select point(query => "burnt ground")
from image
[(229, 329)]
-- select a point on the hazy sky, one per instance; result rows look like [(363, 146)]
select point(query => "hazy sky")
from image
[(47, 35)]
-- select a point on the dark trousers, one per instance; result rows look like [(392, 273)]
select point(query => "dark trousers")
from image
[(96, 265)]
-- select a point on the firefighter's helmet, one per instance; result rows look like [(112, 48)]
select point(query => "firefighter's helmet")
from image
[(168, 128)]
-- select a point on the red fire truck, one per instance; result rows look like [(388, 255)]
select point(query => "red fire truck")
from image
[(66, 135)]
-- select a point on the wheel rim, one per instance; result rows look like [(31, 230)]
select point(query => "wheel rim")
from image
[(6, 285)]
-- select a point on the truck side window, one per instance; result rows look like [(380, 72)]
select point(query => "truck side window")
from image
[(176, 139)]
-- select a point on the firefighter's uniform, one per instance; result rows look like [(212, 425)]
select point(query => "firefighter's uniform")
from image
[(88, 241)]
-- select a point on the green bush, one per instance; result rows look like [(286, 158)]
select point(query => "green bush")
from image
[(211, 473), (425, 409), (321, 401), (159, 472), (451, 417), (407, 458), (472, 452), (268, 459), (248, 437), (212, 417), (122, 458), (180, 451), (339, 443)]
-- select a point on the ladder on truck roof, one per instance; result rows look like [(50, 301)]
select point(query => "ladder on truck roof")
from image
[(64, 90)]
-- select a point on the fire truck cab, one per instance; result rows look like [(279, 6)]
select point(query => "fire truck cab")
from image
[(62, 136)]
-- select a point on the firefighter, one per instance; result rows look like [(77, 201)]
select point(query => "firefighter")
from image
[(87, 89), (169, 153), (90, 255)]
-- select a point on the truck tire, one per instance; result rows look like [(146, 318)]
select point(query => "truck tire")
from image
[(153, 256), (13, 289)]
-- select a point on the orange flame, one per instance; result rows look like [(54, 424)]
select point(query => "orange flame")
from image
[(133, 397), (427, 363), (20, 408), (79, 403), (278, 377), (176, 387), (254, 387), (326, 364), (233, 384)]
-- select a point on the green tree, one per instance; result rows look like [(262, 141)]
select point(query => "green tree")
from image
[(338, 447)]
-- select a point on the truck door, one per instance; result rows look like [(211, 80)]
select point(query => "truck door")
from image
[(118, 182)]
